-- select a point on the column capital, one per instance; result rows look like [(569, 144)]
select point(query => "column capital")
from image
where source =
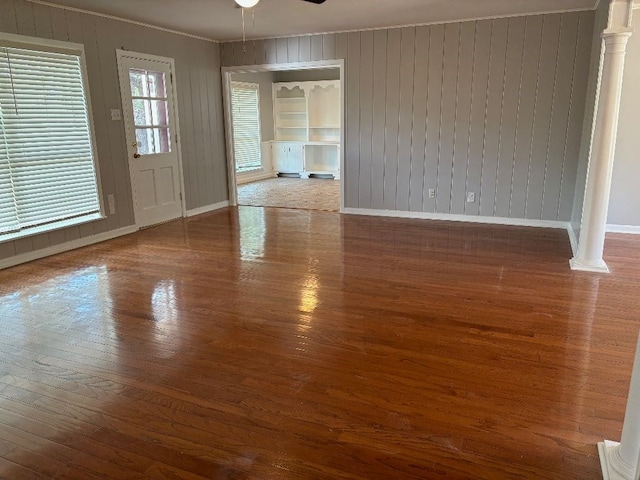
[(616, 39)]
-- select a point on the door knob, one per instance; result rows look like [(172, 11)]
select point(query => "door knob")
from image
[(136, 155)]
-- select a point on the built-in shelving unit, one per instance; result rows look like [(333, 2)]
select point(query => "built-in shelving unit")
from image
[(307, 123)]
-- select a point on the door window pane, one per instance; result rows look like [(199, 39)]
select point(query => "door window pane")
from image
[(150, 111), (157, 87), (153, 140), (145, 141), (159, 113), (142, 112), (138, 83), (162, 140)]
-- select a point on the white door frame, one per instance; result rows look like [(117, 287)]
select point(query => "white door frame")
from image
[(227, 73), (124, 75)]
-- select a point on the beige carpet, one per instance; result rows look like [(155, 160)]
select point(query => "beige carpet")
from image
[(308, 194)]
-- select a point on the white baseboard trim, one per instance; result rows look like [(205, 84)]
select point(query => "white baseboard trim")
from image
[(254, 177), (65, 247), (573, 239), (207, 208), (449, 217), (623, 229)]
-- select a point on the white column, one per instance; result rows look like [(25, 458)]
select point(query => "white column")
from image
[(596, 203), (621, 461)]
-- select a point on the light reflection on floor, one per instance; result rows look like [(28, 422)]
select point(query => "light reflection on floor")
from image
[(79, 300)]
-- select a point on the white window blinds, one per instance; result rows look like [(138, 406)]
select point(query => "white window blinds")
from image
[(47, 171), (246, 126)]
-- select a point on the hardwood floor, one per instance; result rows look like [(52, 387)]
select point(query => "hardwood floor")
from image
[(276, 344)]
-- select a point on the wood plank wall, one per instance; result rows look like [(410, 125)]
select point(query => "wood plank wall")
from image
[(200, 108), (493, 107)]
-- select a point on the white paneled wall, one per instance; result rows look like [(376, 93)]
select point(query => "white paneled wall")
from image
[(199, 96), (493, 107)]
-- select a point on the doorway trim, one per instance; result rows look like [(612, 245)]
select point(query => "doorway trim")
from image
[(228, 72), (122, 75)]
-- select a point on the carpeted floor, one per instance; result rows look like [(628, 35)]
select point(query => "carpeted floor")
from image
[(308, 194)]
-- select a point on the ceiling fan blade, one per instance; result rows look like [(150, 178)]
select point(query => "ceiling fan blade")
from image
[(317, 2)]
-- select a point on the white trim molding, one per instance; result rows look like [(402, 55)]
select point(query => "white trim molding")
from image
[(65, 247), (207, 208), (630, 229), (121, 19), (413, 25), (450, 217)]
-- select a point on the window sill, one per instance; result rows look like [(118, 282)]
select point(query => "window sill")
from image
[(49, 227)]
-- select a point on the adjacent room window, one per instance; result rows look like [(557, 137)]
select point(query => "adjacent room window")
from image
[(245, 100), (47, 160)]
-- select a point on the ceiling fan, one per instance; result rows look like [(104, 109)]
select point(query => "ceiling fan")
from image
[(253, 3)]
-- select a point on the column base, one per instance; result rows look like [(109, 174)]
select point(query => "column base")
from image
[(599, 267), (610, 459)]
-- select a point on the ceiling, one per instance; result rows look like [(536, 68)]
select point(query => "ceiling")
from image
[(220, 20)]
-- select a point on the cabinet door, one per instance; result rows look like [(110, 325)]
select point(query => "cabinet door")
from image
[(280, 157), (296, 157)]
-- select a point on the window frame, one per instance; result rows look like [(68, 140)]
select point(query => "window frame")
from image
[(69, 48)]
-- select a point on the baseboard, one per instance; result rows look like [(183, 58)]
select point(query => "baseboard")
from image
[(65, 247), (623, 229), (207, 208), (256, 177), (573, 239), (449, 217)]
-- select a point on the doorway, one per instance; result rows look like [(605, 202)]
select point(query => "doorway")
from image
[(151, 126), (300, 109)]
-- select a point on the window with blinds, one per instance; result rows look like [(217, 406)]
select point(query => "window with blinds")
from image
[(245, 100), (47, 168)]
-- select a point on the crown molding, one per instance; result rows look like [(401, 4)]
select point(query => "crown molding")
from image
[(331, 32), (412, 25), (121, 19)]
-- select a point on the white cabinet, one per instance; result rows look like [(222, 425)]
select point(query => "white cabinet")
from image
[(322, 159), (287, 157), (307, 119)]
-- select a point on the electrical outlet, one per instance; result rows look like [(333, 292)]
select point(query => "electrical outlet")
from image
[(116, 115), (111, 199), (471, 197), (432, 193)]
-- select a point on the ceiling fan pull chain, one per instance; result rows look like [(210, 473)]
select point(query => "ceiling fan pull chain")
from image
[(244, 35)]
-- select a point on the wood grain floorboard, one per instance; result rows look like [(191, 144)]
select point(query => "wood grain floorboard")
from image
[(255, 343)]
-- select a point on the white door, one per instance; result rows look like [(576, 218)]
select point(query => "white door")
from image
[(148, 101)]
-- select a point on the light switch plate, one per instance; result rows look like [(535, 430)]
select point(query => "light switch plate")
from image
[(116, 115)]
